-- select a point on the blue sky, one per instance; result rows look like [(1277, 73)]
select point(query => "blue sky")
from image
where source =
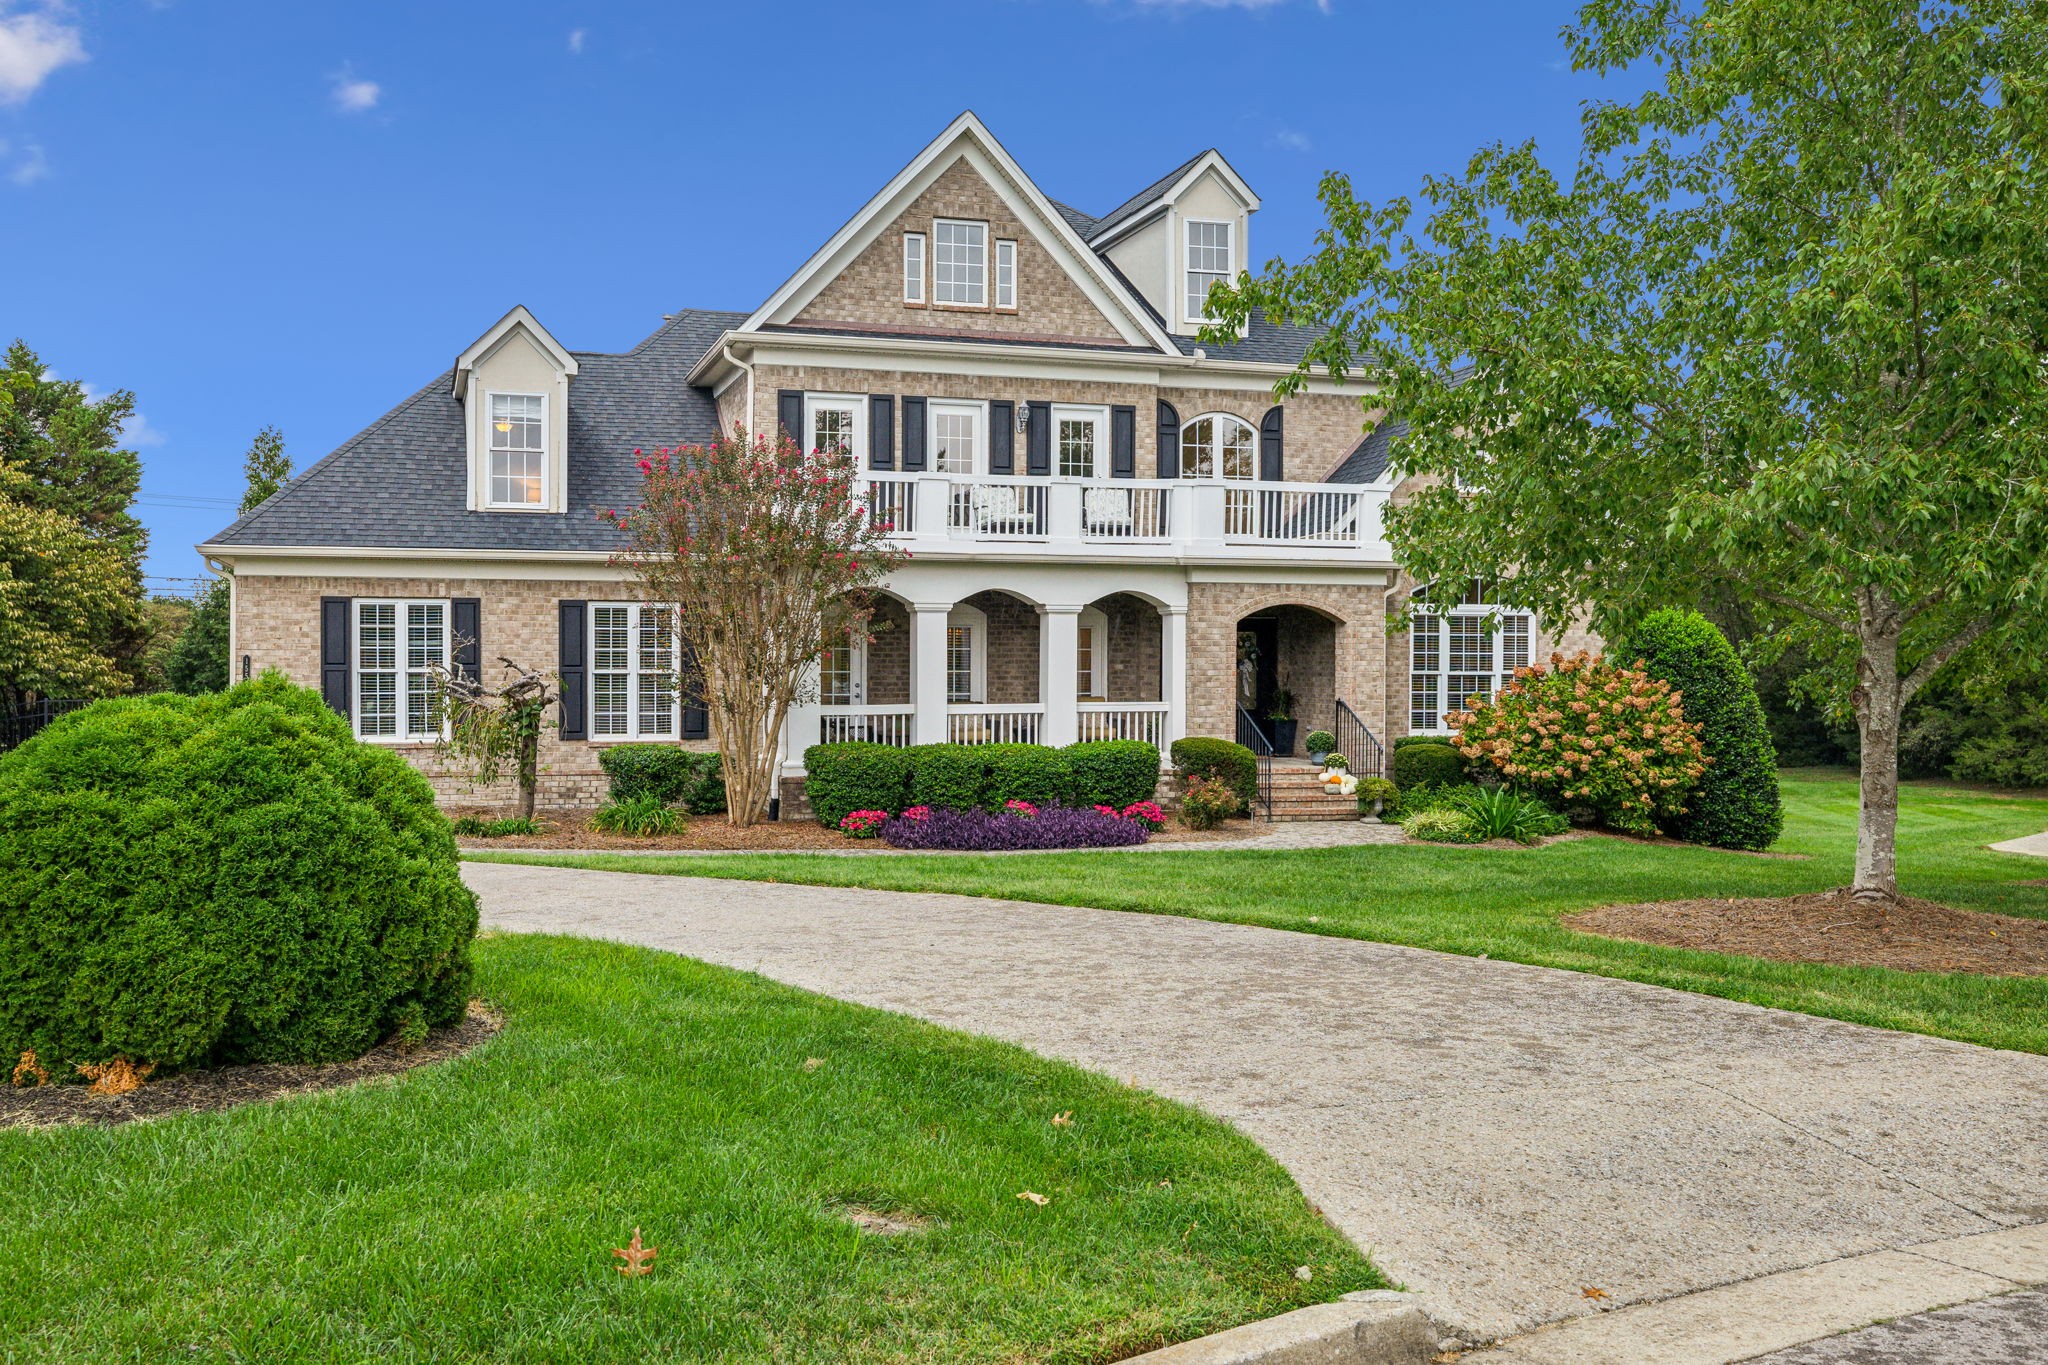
[(297, 213)]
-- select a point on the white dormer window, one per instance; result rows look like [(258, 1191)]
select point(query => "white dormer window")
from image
[(960, 264), (518, 449), (1006, 275), (913, 267), (1209, 262)]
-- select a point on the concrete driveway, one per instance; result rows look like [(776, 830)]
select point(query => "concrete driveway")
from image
[(1503, 1138)]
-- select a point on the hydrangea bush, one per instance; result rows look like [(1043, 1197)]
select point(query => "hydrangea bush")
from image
[(1588, 734), (1049, 827)]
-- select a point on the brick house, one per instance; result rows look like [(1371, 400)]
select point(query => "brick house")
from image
[(1116, 532)]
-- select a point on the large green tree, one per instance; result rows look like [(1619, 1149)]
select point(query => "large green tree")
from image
[(63, 594), (198, 660), (266, 468), (1782, 333)]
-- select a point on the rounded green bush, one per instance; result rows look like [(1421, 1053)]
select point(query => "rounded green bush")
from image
[(1024, 772), (843, 778), (664, 772), (1229, 762), (946, 776), (188, 881), (1113, 772), (1735, 802), (1434, 763)]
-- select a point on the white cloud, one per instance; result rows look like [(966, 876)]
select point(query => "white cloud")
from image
[(1291, 139), (576, 36), (353, 95), (33, 43), (136, 431)]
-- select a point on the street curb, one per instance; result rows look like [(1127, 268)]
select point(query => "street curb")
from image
[(1373, 1327)]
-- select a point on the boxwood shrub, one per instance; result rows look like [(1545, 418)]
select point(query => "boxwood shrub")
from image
[(667, 773), (1024, 772), (1113, 772), (232, 877), (1735, 802), (1230, 763), (944, 776), (843, 778), (1427, 762)]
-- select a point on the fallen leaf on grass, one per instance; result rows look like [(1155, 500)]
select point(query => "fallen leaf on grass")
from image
[(1063, 1120), (813, 1063), (1033, 1197), (1304, 1274), (636, 1256)]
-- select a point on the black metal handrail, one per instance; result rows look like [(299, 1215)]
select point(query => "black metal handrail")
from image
[(1252, 737), (19, 724), (1360, 747)]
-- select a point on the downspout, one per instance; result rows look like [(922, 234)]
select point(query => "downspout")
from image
[(739, 364)]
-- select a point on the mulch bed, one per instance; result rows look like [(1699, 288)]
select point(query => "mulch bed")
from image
[(191, 1092), (1833, 927), (711, 832)]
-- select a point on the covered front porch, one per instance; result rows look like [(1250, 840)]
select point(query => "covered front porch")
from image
[(1003, 665)]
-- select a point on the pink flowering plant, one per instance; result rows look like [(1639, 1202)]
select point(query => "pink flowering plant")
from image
[(918, 813), (769, 557), (1586, 733), (1147, 813), (864, 824), (1023, 808)]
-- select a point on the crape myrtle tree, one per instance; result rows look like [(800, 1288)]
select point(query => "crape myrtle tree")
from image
[(768, 557), (1782, 334)]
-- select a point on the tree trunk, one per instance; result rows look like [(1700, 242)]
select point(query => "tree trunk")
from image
[(529, 772), (1878, 703)]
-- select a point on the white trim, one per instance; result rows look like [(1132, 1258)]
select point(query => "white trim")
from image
[(1216, 473), (961, 614), (978, 457), (474, 353), (989, 158), (635, 673), (857, 448), (1187, 269), (980, 286), (402, 674), (1095, 620), (914, 290), (544, 503), (1099, 458), (1211, 160), (1002, 262), (1500, 666)]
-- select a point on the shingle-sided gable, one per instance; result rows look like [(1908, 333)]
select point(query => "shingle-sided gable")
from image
[(401, 483)]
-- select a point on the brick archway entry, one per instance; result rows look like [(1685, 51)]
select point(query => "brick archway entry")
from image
[(1328, 643), (1291, 649)]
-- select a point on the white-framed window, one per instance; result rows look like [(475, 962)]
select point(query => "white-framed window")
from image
[(843, 673), (913, 267), (1077, 441), (1219, 446), (834, 422), (1209, 260), (517, 460), (1460, 652), (960, 263), (1006, 274), (966, 655), (633, 669), (398, 646), (1091, 655), (958, 431)]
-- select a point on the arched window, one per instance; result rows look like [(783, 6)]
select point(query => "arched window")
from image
[(1219, 446), (1461, 648)]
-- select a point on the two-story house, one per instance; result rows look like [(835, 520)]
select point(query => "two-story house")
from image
[(1117, 532)]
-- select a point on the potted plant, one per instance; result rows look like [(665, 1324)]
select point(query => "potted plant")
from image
[(1319, 743), (1281, 713), (1373, 795)]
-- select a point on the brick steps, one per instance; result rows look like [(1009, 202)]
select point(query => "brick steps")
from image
[(1299, 795)]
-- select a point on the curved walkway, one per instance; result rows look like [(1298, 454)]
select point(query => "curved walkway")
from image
[(1500, 1137)]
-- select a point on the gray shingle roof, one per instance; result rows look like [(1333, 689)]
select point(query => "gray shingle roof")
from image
[(1143, 199), (401, 481), (1275, 343), (961, 338), (1368, 459), (1080, 222)]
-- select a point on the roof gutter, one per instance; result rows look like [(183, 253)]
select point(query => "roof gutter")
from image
[(731, 359)]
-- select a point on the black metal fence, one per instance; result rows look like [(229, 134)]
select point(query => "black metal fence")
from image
[(1368, 758), (19, 724)]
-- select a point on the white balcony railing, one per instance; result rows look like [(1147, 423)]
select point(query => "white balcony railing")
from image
[(868, 724), (1145, 720), (1189, 518), (994, 724)]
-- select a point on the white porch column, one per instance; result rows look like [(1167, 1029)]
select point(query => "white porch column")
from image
[(800, 725), (1173, 667), (1059, 660), (928, 671)]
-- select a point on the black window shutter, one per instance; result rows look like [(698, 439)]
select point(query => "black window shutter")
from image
[(334, 649), (1038, 438), (465, 630), (1123, 443), (1002, 437), (881, 431), (1168, 457), (574, 668), (789, 413), (696, 719), (1271, 444), (913, 435)]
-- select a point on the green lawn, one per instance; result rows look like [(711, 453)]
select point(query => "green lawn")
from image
[(467, 1211), (1506, 903)]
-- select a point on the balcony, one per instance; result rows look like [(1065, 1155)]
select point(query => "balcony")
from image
[(987, 514)]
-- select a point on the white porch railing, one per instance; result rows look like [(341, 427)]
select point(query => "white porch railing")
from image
[(870, 724), (1191, 517), (1145, 720), (994, 724)]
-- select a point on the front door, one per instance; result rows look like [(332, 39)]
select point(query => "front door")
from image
[(1258, 665)]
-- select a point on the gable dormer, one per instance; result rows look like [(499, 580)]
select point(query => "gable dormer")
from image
[(1180, 235), (513, 384)]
